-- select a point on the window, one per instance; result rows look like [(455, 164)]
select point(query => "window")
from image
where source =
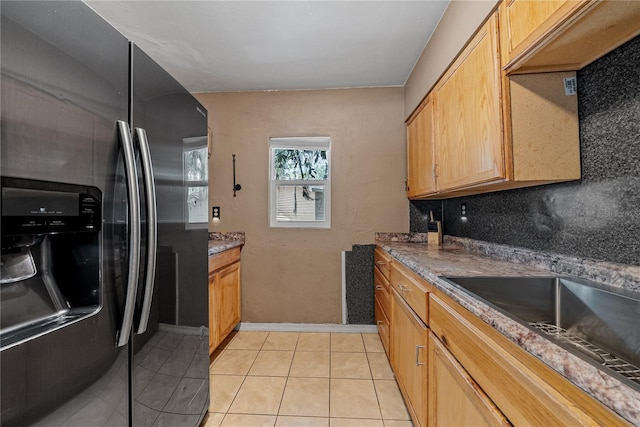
[(197, 181), (300, 188)]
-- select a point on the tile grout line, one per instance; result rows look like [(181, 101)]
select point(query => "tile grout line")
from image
[(330, 374), (297, 350), (243, 379), (286, 382)]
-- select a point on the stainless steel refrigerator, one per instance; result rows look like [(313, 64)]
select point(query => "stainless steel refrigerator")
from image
[(103, 294)]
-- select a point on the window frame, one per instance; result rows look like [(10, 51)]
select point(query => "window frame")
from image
[(322, 143)]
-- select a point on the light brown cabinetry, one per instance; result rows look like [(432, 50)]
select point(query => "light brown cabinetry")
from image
[(455, 399), (224, 295), (421, 179), (382, 298), (501, 118), (544, 36), (453, 369), (495, 132), (468, 124), (382, 307), (409, 357), (524, 17), (413, 290), (524, 389), (409, 339), (382, 260)]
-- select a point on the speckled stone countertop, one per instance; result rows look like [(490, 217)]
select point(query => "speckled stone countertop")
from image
[(223, 241), (466, 257)]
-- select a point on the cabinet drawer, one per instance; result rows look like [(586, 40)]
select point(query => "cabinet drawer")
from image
[(382, 322), (382, 260), (382, 291), (223, 259), (412, 289), (525, 390)]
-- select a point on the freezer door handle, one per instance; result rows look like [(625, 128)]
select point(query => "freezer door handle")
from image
[(133, 196), (152, 227)]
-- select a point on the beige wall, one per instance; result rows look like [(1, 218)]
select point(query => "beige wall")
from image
[(294, 275), (458, 23)]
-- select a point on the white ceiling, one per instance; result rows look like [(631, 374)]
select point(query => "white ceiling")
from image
[(214, 46)]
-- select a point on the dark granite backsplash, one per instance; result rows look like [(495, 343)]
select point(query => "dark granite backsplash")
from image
[(597, 217)]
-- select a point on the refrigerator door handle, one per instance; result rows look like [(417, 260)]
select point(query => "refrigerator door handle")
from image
[(133, 196), (152, 227)]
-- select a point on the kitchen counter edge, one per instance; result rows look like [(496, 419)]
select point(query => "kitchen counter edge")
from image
[(223, 241)]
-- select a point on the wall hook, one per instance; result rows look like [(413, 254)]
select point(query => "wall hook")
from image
[(236, 187)]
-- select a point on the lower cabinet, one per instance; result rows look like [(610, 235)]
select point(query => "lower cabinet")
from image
[(455, 399), (409, 338), (382, 298), (453, 369), (383, 324), (224, 295), (520, 386)]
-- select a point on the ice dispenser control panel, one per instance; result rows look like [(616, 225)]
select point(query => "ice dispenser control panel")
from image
[(36, 207)]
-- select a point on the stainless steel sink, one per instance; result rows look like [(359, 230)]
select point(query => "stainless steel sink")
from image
[(598, 323)]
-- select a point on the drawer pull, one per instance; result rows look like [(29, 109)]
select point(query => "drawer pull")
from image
[(418, 363), (381, 262), (379, 288), (403, 288)]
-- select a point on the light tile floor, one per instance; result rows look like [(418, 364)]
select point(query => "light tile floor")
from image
[(291, 379)]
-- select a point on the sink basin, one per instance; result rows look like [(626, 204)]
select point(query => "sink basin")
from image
[(598, 323)]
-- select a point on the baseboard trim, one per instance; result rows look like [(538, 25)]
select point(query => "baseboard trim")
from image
[(306, 327)]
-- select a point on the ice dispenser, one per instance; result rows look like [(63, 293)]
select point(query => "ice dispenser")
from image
[(50, 268)]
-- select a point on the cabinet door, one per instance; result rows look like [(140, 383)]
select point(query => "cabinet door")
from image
[(420, 154), (526, 390), (524, 17), (382, 323), (227, 300), (563, 35), (454, 397), (469, 142), (409, 357)]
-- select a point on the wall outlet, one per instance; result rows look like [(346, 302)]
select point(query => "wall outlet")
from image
[(215, 213)]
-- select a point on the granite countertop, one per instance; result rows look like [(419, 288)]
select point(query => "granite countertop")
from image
[(223, 241), (466, 257)]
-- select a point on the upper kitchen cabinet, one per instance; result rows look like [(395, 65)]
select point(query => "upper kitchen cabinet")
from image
[(468, 119), (420, 151), (492, 131), (505, 112), (543, 36)]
